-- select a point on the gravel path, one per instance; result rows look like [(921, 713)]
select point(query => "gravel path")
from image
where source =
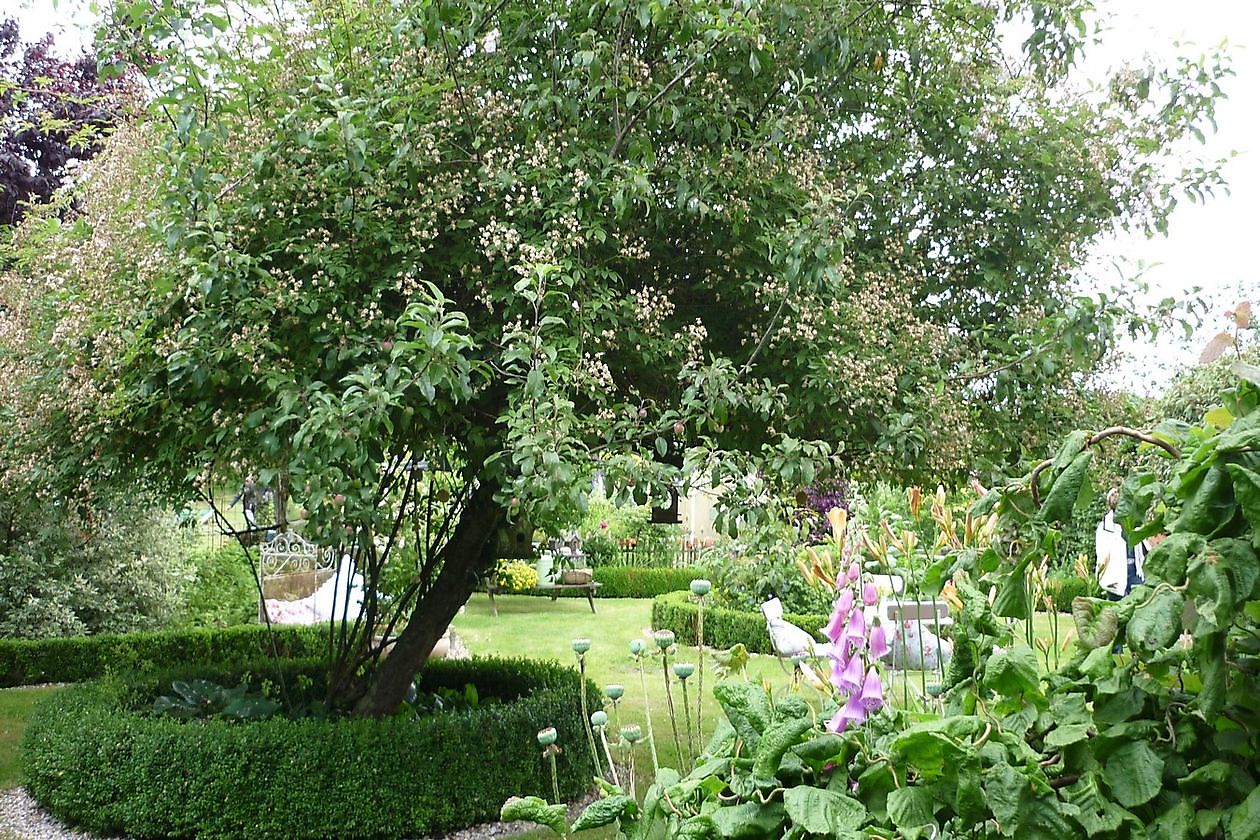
[(21, 819)]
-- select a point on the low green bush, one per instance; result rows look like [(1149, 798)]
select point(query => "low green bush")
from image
[(722, 627), (223, 591), (77, 658), (1062, 588), (95, 755)]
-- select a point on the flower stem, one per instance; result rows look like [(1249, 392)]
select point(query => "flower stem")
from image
[(612, 768), (555, 778), (691, 747), (669, 704), (586, 718), (700, 671), (647, 713)]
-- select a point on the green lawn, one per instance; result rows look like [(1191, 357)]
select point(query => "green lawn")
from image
[(15, 708)]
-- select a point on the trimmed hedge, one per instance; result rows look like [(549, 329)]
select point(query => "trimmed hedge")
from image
[(78, 658), (722, 627), (644, 582), (93, 756), (634, 582)]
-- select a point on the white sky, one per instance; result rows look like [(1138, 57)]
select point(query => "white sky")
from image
[(1208, 246)]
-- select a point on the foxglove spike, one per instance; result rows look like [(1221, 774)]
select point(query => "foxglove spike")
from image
[(872, 696)]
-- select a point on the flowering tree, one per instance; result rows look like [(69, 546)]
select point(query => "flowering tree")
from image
[(425, 263)]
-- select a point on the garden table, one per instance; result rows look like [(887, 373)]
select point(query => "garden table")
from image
[(552, 589)]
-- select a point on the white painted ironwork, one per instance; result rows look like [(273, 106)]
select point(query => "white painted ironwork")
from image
[(288, 552)]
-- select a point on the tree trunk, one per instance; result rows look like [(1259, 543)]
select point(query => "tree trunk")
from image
[(470, 550)]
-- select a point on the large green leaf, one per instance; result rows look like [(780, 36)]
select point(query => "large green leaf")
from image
[(1209, 655), (1013, 672), (1247, 492), (535, 810), (911, 807), (820, 811), (747, 708), (749, 821), (1242, 434), (602, 812), (1238, 560), (1096, 622), (1096, 813), (1058, 504), (1168, 561), (1156, 622), (1244, 819), (1006, 788), (1011, 600), (1174, 823), (1133, 773), (1212, 505)]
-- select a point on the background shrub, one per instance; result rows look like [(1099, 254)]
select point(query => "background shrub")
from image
[(1063, 587), (722, 627), (73, 659), (92, 759), (222, 592), (117, 567)]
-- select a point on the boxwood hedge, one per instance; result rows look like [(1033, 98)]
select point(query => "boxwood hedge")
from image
[(95, 756), (637, 581), (77, 658), (722, 627)]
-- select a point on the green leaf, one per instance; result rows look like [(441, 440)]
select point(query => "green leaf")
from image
[(911, 807), (1212, 505), (535, 810), (1174, 823), (1096, 623), (1058, 504), (1209, 654), (1062, 736), (746, 707), (1244, 819), (602, 812), (1133, 773), (1247, 492), (1006, 789), (1168, 561), (821, 811), (1013, 672), (1156, 622), (1096, 813), (748, 821)]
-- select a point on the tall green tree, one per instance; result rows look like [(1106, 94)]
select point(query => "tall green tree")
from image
[(429, 262)]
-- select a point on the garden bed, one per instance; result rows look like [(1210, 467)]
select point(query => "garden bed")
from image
[(96, 756), (723, 628)]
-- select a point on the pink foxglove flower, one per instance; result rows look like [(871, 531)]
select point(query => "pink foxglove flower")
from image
[(877, 642), (869, 595), (852, 713), (872, 696), (839, 616), (855, 571), (854, 636), (849, 680)]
